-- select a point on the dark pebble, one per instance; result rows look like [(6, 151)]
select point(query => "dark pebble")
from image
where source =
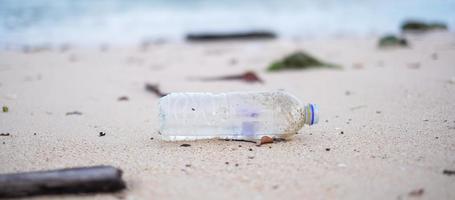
[(185, 145), (327, 149), (240, 145), (341, 132), (250, 149), (227, 163), (151, 138), (102, 134), (193, 109), (4, 134), (236, 164), (187, 165)]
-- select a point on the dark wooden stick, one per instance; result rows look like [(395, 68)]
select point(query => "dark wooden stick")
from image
[(62, 181), (252, 35)]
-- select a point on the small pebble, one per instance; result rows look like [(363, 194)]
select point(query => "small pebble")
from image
[(227, 163), (151, 138), (185, 145), (187, 165), (327, 149), (102, 134), (250, 149), (236, 164), (341, 132)]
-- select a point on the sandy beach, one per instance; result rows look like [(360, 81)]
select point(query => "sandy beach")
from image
[(386, 129)]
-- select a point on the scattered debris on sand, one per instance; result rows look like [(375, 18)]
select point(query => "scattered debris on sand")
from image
[(414, 65), (123, 98), (420, 26), (5, 134), (74, 113), (248, 76), (211, 37), (299, 60), (154, 88), (392, 41), (417, 193)]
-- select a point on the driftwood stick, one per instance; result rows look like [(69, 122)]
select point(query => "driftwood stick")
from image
[(62, 181), (252, 35)]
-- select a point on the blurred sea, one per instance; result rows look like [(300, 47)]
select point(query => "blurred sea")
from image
[(89, 22)]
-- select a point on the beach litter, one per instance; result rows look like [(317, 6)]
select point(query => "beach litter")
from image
[(245, 116), (5, 109), (299, 60), (79, 180)]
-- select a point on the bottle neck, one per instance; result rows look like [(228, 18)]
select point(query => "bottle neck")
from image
[(311, 113)]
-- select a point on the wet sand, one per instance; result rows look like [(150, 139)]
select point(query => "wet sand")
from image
[(387, 120)]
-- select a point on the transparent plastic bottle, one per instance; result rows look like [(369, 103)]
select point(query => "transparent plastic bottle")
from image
[(233, 115)]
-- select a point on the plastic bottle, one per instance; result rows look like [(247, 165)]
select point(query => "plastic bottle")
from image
[(234, 115)]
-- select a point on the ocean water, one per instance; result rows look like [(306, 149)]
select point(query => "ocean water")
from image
[(88, 22)]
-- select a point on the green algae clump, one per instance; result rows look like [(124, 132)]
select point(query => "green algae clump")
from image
[(392, 41), (299, 60), (419, 26)]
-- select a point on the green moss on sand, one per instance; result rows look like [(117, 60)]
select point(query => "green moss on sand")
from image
[(299, 60)]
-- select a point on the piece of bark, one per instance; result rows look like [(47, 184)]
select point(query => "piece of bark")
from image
[(208, 37), (62, 181), (248, 76), (154, 89)]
